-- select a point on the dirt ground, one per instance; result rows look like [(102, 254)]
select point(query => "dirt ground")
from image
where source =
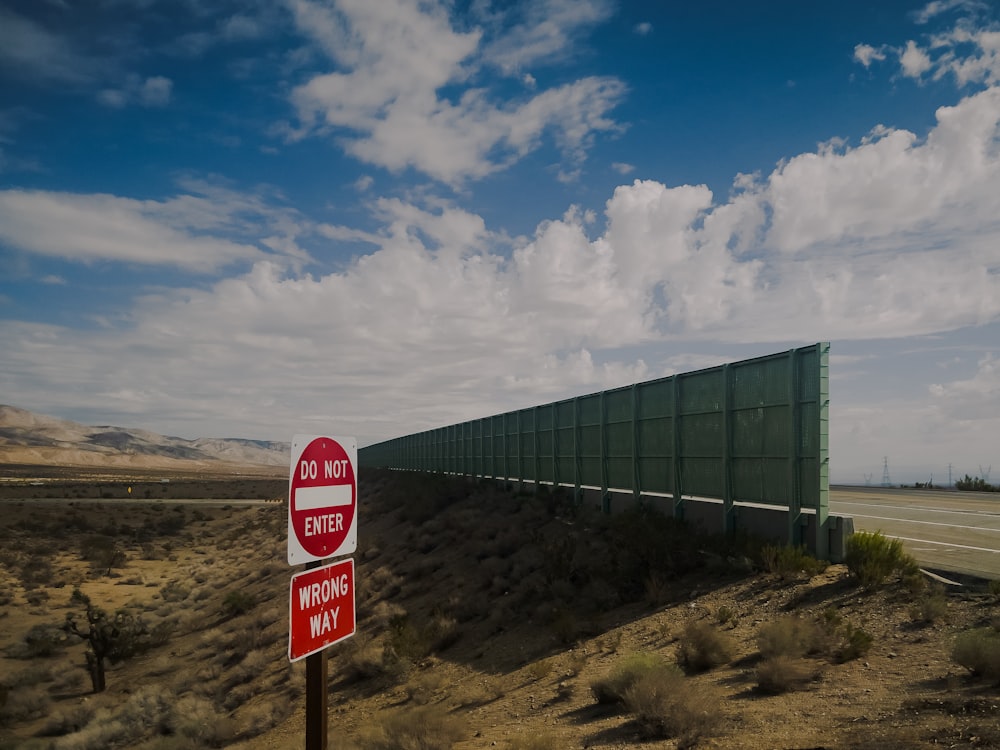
[(484, 619)]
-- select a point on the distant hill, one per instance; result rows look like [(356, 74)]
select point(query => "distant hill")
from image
[(29, 438)]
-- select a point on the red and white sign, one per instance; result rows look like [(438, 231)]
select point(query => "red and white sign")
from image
[(322, 498), (321, 608)]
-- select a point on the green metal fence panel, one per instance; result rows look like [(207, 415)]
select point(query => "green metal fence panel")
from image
[(754, 431)]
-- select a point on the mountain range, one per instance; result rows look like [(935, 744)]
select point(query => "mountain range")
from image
[(30, 438)]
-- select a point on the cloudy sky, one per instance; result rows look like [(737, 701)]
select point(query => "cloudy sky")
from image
[(254, 219)]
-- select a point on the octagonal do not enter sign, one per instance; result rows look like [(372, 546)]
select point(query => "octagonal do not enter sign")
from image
[(322, 498)]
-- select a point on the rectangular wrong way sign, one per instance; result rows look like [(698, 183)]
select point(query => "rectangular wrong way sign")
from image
[(321, 608)]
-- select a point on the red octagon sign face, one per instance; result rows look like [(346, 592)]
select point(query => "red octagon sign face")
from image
[(322, 499)]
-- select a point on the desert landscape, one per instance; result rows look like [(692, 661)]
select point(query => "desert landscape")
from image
[(487, 617)]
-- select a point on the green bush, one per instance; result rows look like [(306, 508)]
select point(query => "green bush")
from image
[(790, 562), (612, 687), (856, 643), (978, 651), (238, 603), (873, 557)]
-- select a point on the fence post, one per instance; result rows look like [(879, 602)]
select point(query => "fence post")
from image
[(636, 475), (795, 499), (605, 495), (676, 422), (728, 511)]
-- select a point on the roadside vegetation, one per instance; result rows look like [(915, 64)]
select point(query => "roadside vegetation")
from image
[(484, 616)]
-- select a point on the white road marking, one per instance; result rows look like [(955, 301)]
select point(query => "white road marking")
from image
[(944, 544), (921, 510), (926, 523)]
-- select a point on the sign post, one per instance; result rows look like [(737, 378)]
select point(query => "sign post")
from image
[(322, 523)]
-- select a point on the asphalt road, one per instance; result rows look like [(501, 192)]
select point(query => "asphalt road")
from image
[(957, 531)]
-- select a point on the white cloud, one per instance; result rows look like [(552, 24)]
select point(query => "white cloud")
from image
[(937, 7), (973, 399), (386, 105), (914, 61), (546, 32), (188, 231), (969, 51), (154, 91), (30, 50), (622, 168), (643, 29), (866, 54)]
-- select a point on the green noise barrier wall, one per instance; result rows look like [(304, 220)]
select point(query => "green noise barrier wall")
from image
[(754, 431)]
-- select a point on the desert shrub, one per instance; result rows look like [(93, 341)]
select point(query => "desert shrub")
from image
[(24, 703), (978, 650), (790, 562), (871, 557), (612, 687), (266, 715), (665, 706), (66, 721), (541, 669), (41, 641), (789, 636), (782, 672), (538, 741), (174, 591), (993, 587), (725, 615), (855, 643), (103, 552), (703, 646), (238, 603), (931, 605), (366, 659), (421, 728)]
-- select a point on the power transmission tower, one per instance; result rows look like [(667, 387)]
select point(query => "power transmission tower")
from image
[(985, 474), (886, 482), (949, 475), (868, 480)]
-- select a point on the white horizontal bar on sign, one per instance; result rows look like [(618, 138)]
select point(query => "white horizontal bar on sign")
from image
[(315, 498)]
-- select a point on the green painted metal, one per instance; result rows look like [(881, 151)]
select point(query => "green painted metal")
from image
[(751, 431)]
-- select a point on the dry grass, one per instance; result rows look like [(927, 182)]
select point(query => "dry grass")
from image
[(488, 628)]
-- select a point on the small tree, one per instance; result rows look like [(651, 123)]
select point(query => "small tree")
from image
[(112, 638)]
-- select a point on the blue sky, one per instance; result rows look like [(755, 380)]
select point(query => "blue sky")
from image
[(367, 218)]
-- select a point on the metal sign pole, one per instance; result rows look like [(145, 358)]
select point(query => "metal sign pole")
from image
[(316, 717)]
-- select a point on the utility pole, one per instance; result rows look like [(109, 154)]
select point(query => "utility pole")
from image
[(949, 475)]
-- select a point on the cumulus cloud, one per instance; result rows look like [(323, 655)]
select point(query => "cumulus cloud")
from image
[(969, 51), (866, 54), (892, 237), (643, 29), (385, 102)]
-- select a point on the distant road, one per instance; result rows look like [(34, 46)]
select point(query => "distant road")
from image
[(957, 531)]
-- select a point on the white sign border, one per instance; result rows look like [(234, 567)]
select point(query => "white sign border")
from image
[(291, 609), (297, 555)]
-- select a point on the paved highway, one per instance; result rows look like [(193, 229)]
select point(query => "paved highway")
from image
[(957, 531)]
